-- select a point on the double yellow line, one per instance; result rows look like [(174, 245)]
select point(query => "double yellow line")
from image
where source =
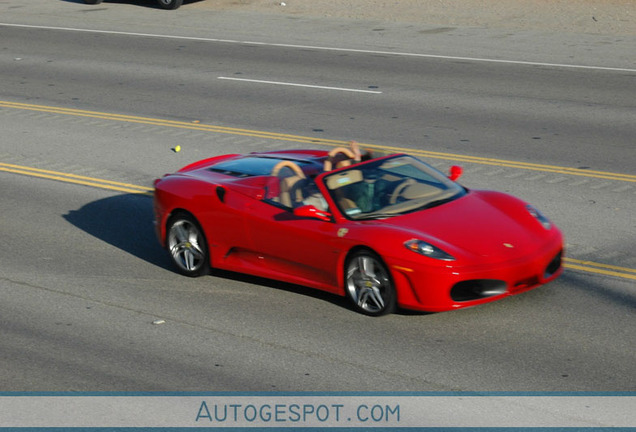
[(602, 269), (195, 125), (76, 179)]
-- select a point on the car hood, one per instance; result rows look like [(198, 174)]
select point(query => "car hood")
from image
[(488, 224)]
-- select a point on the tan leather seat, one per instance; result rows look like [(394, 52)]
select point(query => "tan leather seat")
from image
[(290, 193)]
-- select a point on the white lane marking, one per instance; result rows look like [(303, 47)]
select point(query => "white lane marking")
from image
[(320, 48), (299, 85)]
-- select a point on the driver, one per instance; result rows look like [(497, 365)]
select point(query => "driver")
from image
[(312, 196)]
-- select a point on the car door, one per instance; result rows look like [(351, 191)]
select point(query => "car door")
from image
[(301, 250)]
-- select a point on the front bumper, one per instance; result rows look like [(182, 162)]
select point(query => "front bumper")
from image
[(436, 288)]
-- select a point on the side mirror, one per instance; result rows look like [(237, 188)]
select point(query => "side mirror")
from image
[(309, 211), (455, 172)]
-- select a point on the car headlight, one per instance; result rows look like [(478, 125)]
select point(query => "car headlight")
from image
[(544, 221), (423, 248)]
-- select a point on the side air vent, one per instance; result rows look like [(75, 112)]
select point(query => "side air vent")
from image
[(220, 192)]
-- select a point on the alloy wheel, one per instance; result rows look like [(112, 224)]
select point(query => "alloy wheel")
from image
[(369, 284)]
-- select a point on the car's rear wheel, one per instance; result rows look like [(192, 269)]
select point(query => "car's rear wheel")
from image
[(92, 1), (169, 4), (368, 284), (187, 245)]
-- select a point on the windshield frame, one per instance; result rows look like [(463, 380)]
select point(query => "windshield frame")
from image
[(384, 189)]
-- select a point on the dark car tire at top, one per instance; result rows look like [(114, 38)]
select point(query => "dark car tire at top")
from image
[(187, 245), (92, 1), (169, 4), (368, 284)]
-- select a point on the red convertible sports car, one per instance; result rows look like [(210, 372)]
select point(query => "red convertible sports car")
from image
[(383, 230)]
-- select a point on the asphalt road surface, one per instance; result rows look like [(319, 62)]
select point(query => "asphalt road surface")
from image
[(89, 301)]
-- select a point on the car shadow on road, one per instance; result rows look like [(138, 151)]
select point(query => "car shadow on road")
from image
[(283, 286), (143, 3), (124, 221)]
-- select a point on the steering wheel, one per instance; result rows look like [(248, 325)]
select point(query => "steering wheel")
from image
[(287, 164), (399, 189)]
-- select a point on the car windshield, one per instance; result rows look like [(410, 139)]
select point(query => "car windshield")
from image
[(387, 187)]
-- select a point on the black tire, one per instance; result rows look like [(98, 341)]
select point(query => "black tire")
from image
[(187, 245), (92, 1), (169, 4), (368, 284)]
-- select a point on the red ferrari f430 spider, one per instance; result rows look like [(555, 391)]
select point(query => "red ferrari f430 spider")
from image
[(383, 230)]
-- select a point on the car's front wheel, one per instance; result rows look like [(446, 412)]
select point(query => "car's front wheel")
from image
[(92, 1), (368, 284), (169, 4), (187, 245)]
